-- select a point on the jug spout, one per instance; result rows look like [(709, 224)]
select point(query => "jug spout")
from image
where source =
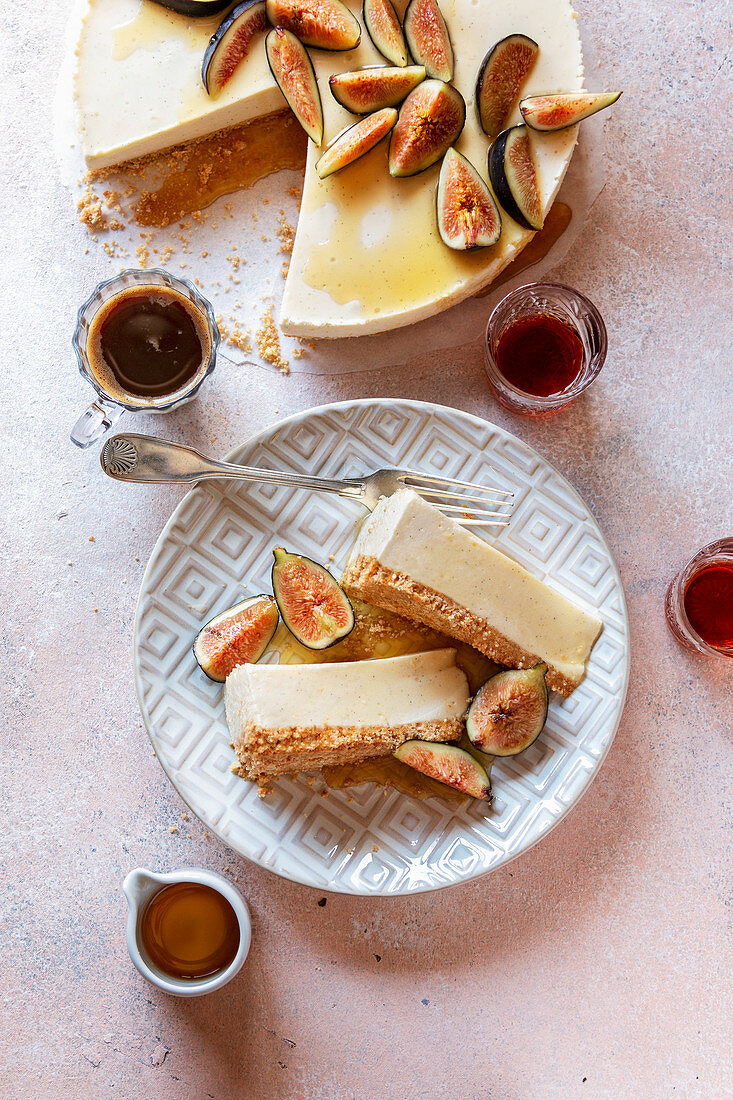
[(139, 886)]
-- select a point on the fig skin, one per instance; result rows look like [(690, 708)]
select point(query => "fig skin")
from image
[(195, 9), (313, 605), (500, 78), (293, 71), (355, 141), (230, 44), (385, 30), (240, 635), (428, 38), (375, 88), (430, 121), (466, 212), (323, 24), (548, 113), (509, 712), (448, 764), (511, 152)]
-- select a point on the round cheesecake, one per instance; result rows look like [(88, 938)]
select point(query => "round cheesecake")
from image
[(367, 255)]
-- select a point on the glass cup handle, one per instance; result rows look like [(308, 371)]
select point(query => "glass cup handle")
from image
[(94, 422)]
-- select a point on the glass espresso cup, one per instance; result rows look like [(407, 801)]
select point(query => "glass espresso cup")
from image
[(113, 398), (568, 311)]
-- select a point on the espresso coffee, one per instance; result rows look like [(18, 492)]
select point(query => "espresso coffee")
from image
[(147, 343)]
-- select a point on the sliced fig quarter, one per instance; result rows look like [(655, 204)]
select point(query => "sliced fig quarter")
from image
[(428, 38), (385, 30), (513, 176), (467, 215), (293, 70), (313, 605), (324, 24), (230, 43), (509, 712), (355, 141), (448, 764), (500, 78), (430, 120), (372, 89), (556, 112), (238, 636)]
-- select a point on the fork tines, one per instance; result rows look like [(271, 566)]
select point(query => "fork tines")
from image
[(469, 510)]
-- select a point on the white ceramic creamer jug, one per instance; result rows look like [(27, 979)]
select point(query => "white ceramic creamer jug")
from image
[(140, 886)]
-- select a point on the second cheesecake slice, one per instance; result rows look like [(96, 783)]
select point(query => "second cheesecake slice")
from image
[(411, 559)]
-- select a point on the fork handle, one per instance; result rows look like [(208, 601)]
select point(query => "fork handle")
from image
[(144, 458)]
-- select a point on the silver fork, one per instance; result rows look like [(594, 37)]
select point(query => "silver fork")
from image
[(141, 458)]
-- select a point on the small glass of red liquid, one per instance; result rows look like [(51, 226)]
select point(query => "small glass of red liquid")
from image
[(544, 345), (699, 603)]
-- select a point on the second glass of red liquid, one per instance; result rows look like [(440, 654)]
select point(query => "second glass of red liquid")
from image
[(699, 602), (545, 343)]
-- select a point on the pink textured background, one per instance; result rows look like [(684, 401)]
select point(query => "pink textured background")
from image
[(595, 965)]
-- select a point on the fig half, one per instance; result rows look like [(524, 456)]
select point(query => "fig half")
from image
[(556, 112), (513, 176), (313, 605), (385, 30), (372, 89), (355, 141), (428, 38), (430, 120), (500, 78), (324, 24), (238, 636), (230, 42), (509, 712), (293, 70), (448, 764), (467, 215)]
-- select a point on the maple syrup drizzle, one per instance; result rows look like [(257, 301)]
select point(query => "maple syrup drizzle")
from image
[(194, 175), (190, 931)]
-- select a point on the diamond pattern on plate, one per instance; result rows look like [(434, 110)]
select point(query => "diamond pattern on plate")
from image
[(218, 546)]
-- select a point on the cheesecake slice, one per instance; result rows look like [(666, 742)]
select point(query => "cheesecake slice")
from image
[(285, 719), (411, 559)]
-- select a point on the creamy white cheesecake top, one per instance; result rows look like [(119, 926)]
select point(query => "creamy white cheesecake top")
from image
[(367, 254), (395, 691), (407, 535)]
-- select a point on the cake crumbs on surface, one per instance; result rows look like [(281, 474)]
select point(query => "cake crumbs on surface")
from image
[(299, 353), (239, 337), (285, 268), (268, 342), (286, 233), (91, 213), (173, 830)]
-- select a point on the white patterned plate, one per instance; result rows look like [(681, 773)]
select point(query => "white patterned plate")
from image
[(218, 542)]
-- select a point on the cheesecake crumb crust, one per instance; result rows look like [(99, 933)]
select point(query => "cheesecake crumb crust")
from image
[(264, 752), (367, 579)]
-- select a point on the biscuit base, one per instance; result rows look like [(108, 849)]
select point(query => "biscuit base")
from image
[(264, 752)]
